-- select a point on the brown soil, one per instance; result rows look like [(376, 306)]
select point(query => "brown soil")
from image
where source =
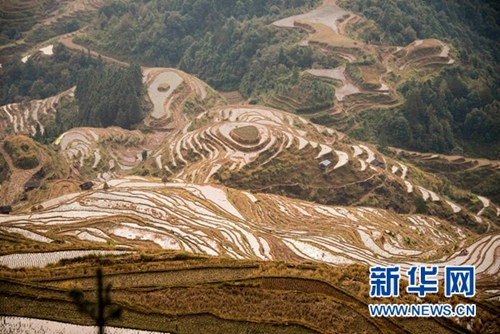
[(18, 179), (233, 97), (246, 135), (67, 41)]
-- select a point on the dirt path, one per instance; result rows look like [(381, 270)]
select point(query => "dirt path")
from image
[(17, 180), (351, 19), (478, 162), (67, 41)]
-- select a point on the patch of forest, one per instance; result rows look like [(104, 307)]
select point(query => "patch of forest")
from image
[(443, 115), (110, 95), (459, 111), (41, 76), (229, 44), (105, 95)]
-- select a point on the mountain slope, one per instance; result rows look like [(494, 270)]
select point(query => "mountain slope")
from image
[(246, 217)]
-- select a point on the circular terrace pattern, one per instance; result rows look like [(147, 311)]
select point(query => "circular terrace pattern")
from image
[(246, 135), (243, 136)]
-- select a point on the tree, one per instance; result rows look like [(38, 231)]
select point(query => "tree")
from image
[(49, 90), (37, 88), (421, 206), (477, 125), (110, 97), (103, 309), (400, 130)]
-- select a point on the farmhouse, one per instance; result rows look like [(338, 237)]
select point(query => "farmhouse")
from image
[(86, 185), (464, 252), (5, 209), (324, 164), (31, 184)]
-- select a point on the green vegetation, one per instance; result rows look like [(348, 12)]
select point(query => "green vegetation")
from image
[(20, 20), (291, 92), (229, 44), (482, 180), (22, 151), (42, 77), (470, 23), (19, 16), (354, 72), (460, 108), (159, 33), (106, 94), (66, 118), (271, 65), (110, 96), (440, 115), (298, 175), (65, 25)]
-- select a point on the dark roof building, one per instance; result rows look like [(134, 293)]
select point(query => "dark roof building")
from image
[(325, 163), (86, 185), (31, 184), (5, 209)]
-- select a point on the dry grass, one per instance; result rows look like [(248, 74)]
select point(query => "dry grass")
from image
[(168, 295), (323, 34), (163, 87), (23, 152), (246, 134), (372, 74)]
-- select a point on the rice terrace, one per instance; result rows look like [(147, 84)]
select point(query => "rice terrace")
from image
[(193, 166)]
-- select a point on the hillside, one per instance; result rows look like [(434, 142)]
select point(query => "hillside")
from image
[(455, 111), (237, 167), (183, 294), (261, 150), (283, 156)]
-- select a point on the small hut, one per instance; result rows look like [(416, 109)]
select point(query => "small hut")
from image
[(5, 209), (31, 185), (324, 164), (86, 185)]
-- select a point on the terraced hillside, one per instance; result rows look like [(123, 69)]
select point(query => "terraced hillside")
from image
[(186, 155), (217, 214), (191, 139), (27, 23), (176, 95), (193, 142), (285, 158), (477, 174), (29, 118), (22, 13), (26, 165), (367, 79), (181, 294), (225, 222)]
